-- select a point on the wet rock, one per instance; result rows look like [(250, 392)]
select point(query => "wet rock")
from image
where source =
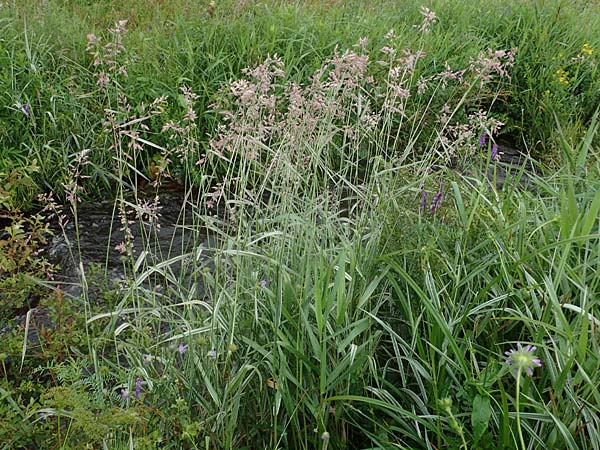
[(513, 165)]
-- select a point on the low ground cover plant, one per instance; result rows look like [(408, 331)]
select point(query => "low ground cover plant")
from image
[(357, 277)]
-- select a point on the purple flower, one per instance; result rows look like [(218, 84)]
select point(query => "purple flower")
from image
[(437, 200), (182, 349), (482, 140), (263, 282), (523, 358), (25, 109), (423, 202), (212, 353), (138, 387), (124, 394), (494, 155)]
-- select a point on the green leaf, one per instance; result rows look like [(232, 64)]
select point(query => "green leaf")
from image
[(340, 289), (591, 215), (480, 417), (585, 145), (460, 206)]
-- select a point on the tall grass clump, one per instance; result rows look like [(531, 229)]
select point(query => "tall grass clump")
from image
[(287, 325)]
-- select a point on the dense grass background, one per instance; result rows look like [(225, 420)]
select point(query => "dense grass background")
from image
[(363, 278), (45, 64)]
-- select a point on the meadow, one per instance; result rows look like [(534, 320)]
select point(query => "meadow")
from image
[(358, 277)]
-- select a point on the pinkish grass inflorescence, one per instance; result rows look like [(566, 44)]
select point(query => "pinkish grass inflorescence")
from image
[(429, 19), (106, 58), (279, 124)]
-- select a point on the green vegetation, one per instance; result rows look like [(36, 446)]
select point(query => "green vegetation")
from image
[(364, 284)]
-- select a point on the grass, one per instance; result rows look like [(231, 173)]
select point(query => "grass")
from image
[(355, 278)]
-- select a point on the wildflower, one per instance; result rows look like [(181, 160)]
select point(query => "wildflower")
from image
[(587, 49), (562, 76), (523, 358), (423, 202), (482, 140), (148, 358), (25, 109), (124, 394), (232, 348), (263, 282), (212, 353), (138, 387), (325, 436), (437, 200), (182, 349), (494, 155)]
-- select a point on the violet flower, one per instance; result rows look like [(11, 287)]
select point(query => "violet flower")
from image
[(523, 358), (482, 140), (423, 202), (138, 387), (437, 200), (494, 155)]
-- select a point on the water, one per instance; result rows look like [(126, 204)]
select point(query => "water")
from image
[(90, 241)]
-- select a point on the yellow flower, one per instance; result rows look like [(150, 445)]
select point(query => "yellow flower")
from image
[(587, 49), (562, 76)]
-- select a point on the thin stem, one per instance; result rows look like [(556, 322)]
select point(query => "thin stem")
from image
[(457, 427), (518, 414)]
